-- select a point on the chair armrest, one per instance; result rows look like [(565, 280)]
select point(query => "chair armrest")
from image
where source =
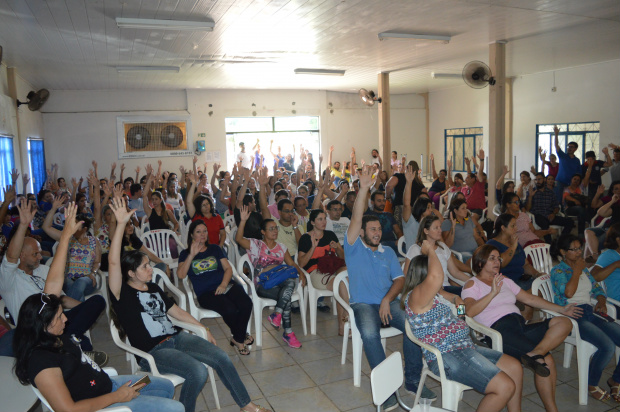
[(496, 337), (116, 409), (175, 291), (198, 330), (149, 358), (239, 279), (110, 371), (611, 309)]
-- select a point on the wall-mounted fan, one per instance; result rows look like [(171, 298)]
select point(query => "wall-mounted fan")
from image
[(477, 75), (368, 97), (171, 136), (138, 137), (36, 100)]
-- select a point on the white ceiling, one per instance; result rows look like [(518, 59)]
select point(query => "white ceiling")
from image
[(75, 44)]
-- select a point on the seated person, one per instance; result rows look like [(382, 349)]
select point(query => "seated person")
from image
[(22, 275), (501, 187), (576, 201), (335, 222), (438, 188), (140, 308), (375, 281), (609, 207), (430, 230), (490, 299), (572, 283), (413, 215), (526, 233), (268, 255), (389, 226), (460, 232), (211, 276), (499, 377), (607, 266), (474, 188), (317, 246), (202, 208), (545, 208)]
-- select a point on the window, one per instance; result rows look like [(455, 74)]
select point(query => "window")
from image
[(286, 132), (7, 160), (461, 144), (586, 135), (36, 156)]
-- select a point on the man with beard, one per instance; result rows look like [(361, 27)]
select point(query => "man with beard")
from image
[(375, 281), (391, 231), (545, 208)]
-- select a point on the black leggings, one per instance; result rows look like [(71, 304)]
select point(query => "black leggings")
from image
[(235, 306)]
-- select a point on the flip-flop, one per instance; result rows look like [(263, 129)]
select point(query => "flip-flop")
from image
[(249, 340), (614, 390), (599, 394), (538, 368)]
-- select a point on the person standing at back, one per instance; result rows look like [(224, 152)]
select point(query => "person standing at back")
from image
[(570, 164)]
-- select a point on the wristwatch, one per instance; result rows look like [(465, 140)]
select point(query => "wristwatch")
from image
[(294, 227)]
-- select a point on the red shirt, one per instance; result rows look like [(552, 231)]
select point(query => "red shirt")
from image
[(474, 196), (214, 225)]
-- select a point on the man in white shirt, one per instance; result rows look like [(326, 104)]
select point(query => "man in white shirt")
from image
[(337, 224), (244, 158)]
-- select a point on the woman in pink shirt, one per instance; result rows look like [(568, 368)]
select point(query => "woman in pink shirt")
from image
[(490, 299)]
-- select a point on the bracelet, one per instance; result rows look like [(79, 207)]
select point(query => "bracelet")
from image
[(294, 227)]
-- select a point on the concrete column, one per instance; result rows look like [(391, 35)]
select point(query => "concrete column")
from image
[(497, 119), (385, 148), (20, 158)]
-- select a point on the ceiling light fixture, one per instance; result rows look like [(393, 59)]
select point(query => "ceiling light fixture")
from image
[(131, 23), (174, 69), (324, 72), (446, 75), (396, 35)]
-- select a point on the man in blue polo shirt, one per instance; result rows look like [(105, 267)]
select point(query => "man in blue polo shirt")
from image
[(375, 281), (570, 165)]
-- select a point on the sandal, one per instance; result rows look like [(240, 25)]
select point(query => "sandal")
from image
[(538, 368), (241, 351), (614, 390), (599, 394), (258, 409), (249, 340)]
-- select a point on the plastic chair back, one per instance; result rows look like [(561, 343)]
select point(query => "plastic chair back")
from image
[(386, 378), (402, 247), (158, 242), (230, 221), (541, 258)]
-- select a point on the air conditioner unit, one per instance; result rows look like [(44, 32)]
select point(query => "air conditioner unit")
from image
[(153, 136)]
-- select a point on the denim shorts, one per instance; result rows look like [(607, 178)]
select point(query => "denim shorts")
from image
[(471, 367)]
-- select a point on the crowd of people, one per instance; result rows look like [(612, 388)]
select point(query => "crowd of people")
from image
[(301, 225)]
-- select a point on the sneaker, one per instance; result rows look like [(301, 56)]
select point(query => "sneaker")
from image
[(291, 339), (275, 319), (390, 404), (100, 358), (426, 393)]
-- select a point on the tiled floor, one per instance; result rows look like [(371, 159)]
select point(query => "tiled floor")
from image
[(312, 378)]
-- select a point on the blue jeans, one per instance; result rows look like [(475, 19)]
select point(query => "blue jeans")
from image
[(368, 323), (605, 336), (473, 367), (82, 317), (184, 354), (79, 287), (6, 343), (154, 397), (558, 190)]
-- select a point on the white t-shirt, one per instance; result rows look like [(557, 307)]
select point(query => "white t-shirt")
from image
[(245, 159), (16, 286), (339, 227), (443, 253)]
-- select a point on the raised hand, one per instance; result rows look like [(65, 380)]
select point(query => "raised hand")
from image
[(71, 224), (505, 169), (137, 170), (122, 167), (195, 249), (496, 286), (195, 160), (159, 163), (94, 164), (365, 177), (427, 246), (113, 166), (409, 174), (120, 210), (117, 191), (107, 190), (192, 177), (245, 213), (14, 175), (58, 202), (263, 177), (467, 161), (149, 169), (25, 180), (26, 212), (600, 190), (481, 154), (605, 151), (9, 194), (331, 148), (216, 167), (449, 163), (556, 130)]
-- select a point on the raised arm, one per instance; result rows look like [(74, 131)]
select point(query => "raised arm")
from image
[(9, 196), (189, 204), (263, 181), (605, 210), (468, 165), (56, 274), (556, 142), (481, 168), (435, 175), (360, 205), (244, 188), (608, 161), (145, 195), (216, 167), (409, 176), (115, 276), (449, 177), (424, 293), (241, 241), (49, 218), (500, 181), (26, 214)]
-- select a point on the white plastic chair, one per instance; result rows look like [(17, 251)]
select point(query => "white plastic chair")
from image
[(497, 210), (601, 224), (541, 258), (451, 391), (402, 247), (385, 379), (232, 248), (356, 337), (230, 222), (158, 242), (312, 295), (184, 227), (162, 280), (585, 350), (260, 303), (145, 226), (533, 219), (109, 371)]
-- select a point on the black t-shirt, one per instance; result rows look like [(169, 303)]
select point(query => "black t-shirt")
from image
[(83, 377), (252, 226), (305, 244), (206, 271), (143, 315), (134, 243), (399, 190)]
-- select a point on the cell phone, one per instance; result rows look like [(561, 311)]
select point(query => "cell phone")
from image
[(460, 310), (604, 316), (228, 288), (145, 379)]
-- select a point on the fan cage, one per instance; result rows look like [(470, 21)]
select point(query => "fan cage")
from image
[(161, 138)]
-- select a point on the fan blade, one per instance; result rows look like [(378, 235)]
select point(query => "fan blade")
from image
[(138, 137), (171, 136)]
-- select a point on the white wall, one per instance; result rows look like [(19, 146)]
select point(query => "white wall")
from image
[(587, 93), (80, 126)]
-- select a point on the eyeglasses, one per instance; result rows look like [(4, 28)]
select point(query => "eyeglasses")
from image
[(38, 281), (493, 258), (44, 301), (272, 229), (576, 249)]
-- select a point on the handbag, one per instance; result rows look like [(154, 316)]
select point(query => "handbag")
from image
[(273, 277), (329, 263)]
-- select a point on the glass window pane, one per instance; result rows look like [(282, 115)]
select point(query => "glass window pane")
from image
[(458, 154), (249, 124), (296, 123), (7, 161)]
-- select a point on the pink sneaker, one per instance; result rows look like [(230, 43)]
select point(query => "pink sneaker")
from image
[(291, 339), (275, 319)]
